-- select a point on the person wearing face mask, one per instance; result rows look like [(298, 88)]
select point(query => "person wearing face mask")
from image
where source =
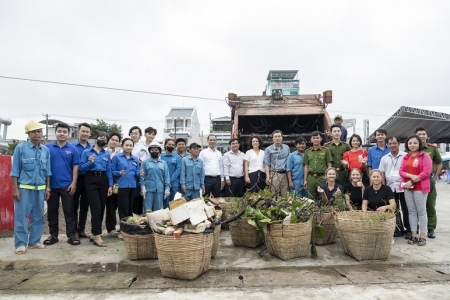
[(173, 161), (154, 179), (96, 162)]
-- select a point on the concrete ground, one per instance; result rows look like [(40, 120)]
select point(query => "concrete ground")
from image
[(65, 271)]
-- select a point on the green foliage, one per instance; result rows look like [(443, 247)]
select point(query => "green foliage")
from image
[(11, 147), (102, 126)]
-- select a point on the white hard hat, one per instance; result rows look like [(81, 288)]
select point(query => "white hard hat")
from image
[(155, 145)]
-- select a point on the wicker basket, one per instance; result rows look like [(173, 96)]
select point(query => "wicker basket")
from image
[(326, 220), (224, 203), (244, 234), (140, 246), (364, 240), (288, 241), (215, 245), (186, 257)]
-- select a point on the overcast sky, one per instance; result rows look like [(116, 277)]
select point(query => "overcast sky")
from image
[(375, 55)]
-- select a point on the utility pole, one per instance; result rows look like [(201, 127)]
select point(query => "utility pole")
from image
[(46, 127), (175, 123)]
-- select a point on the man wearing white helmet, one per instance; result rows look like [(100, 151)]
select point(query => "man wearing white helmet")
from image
[(155, 179), (31, 171)]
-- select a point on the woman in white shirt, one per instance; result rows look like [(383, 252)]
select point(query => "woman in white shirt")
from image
[(255, 176)]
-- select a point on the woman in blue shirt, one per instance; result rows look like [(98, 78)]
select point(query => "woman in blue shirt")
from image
[(98, 183), (125, 169)]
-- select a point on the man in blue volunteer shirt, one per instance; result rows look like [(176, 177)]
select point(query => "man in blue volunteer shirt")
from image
[(173, 161), (377, 151), (30, 175), (79, 198), (64, 160)]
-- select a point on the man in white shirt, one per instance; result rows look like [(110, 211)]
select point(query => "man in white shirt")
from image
[(233, 170), (212, 160), (390, 166), (140, 150)]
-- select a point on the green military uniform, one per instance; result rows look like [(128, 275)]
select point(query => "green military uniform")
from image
[(317, 161), (337, 152), (435, 155)]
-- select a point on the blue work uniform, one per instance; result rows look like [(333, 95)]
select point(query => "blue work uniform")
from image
[(81, 149), (173, 162), (102, 163), (156, 181), (31, 166), (375, 154), (130, 166), (192, 177), (296, 167)]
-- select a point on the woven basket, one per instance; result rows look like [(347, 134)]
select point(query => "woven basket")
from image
[(326, 220), (215, 245), (288, 241), (244, 234), (140, 246), (224, 203), (364, 240), (186, 257)]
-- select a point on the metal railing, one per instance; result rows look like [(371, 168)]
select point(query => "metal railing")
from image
[(5, 122)]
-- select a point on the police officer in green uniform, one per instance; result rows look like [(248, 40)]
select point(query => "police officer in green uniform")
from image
[(317, 159), (435, 155), (337, 149)]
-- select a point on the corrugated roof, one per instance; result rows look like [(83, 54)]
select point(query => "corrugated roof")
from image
[(181, 112), (406, 119), (282, 74)]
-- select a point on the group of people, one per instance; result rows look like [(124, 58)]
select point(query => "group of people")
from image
[(146, 177)]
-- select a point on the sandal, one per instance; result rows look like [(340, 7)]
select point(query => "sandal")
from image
[(73, 241), (101, 244), (83, 234), (413, 240), (91, 238), (51, 240), (21, 250), (37, 246), (422, 242)]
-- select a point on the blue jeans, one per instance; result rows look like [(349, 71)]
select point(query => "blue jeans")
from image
[(153, 201), (31, 202), (191, 194)]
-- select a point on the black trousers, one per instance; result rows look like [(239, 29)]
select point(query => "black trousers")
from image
[(236, 188), (125, 201), (110, 215), (212, 186), (138, 205), (257, 181), (80, 201), (402, 226), (53, 212), (96, 192)]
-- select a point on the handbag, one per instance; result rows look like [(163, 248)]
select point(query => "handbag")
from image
[(115, 189)]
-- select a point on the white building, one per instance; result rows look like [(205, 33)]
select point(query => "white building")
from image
[(182, 122), (221, 128)]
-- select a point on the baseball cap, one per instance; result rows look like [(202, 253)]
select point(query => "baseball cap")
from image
[(338, 117), (194, 145)]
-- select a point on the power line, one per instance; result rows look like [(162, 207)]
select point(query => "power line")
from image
[(110, 88)]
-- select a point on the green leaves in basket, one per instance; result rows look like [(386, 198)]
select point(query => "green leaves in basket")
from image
[(318, 231)]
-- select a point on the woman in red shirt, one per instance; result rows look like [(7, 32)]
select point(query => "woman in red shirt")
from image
[(415, 171), (356, 157)]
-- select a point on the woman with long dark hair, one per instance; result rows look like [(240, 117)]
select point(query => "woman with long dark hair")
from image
[(255, 176)]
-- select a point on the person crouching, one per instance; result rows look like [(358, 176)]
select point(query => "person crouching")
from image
[(155, 179)]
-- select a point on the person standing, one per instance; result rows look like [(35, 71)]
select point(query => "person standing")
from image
[(30, 174), (435, 155), (154, 179), (212, 160), (173, 161), (356, 157), (337, 148), (295, 169), (390, 166), (80, 200), (275, 159), (64, 161), (140, 151), (96, 162), (317, 160), (150, 134), (233, 169), (255, 175), (377, 151), (415, 171), (192, 177), (338, 121), (181, 147), (111, 203), (125, 169)]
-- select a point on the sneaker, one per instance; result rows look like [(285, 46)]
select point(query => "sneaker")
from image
[(113, 233), (431, 234)]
